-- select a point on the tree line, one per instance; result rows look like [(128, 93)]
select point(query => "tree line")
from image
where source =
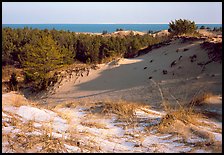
[(40, 51), (70, 46)]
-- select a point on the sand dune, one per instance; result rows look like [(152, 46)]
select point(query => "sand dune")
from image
[(136, 79)]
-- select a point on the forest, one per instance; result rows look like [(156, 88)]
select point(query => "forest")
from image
[(69, 46)]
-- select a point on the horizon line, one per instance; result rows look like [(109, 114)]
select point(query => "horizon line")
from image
[(102, 23)]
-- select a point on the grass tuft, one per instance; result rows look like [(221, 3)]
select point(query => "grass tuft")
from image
[(199, 99), (123, 109)]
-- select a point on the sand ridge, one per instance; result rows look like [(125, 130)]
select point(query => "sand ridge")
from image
[(129, 79)]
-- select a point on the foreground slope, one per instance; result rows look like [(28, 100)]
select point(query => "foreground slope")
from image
[(101, 127)]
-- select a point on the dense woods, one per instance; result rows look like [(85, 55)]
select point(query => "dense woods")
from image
[(69, 46)]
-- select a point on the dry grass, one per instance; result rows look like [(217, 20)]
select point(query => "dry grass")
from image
[(25, 141), (18, 100), (66, 116), (198, 99), (185, 122), (94, 124), (8, 70), (183, 114), (178, 120), (68, 104), (51, 144), (123, 109)]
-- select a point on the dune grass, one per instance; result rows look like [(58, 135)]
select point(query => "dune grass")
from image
[(186, 113), (123, 109), (199, 99)]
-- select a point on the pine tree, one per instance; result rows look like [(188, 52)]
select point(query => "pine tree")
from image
[(40, 58), (180, 27)]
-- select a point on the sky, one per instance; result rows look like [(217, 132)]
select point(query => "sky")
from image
[(110, 12)]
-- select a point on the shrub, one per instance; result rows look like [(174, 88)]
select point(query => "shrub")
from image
[(180, 27), (150, 32), (104, 32), (202, 27), (120, 29), (217, 29), (13, 83)]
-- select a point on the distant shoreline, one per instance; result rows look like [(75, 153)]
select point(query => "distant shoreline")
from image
[(99, 28), (95, 23)]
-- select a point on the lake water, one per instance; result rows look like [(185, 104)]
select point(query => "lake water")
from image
[(99, 28)]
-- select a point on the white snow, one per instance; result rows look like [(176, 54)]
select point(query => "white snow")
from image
[(4, 115), (7, 129), (32, 113), (71, 149), (11, 109), (37, 125), (195, 139), (201, 151), (59, 124), (218, 136), (34, 133)]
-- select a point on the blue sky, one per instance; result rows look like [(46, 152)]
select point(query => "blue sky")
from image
[(109, 12)]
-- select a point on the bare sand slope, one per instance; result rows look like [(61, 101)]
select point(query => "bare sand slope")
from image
[(138, 79)]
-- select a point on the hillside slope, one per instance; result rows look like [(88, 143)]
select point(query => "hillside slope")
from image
[(138, 79)]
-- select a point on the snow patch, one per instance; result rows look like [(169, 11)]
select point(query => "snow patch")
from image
[(71, 149), (31, 113)]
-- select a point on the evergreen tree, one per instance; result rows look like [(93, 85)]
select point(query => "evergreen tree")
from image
[(40, 58), (180, 27)]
